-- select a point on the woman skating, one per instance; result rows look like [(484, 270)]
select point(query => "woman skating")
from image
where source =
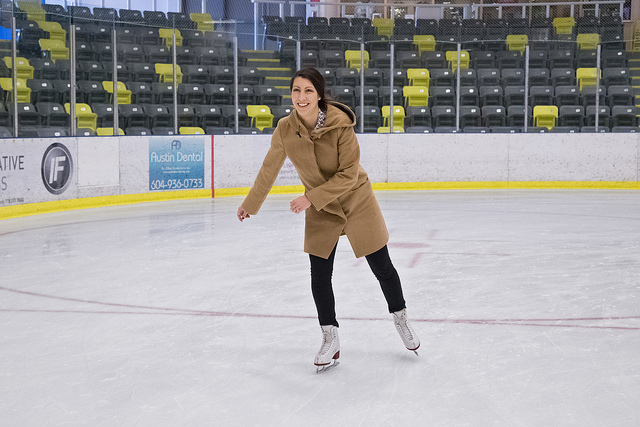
[(319, 139)]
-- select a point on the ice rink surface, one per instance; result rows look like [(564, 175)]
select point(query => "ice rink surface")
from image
[(176, 314)]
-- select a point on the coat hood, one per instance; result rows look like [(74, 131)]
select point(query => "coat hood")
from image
[(338, 116)]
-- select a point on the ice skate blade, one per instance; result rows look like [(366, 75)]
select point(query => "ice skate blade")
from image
[(325, 368), (415, 350)]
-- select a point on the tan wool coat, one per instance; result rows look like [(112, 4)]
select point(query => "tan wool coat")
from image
[(328, 163)]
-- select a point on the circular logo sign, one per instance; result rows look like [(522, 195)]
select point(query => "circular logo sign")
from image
[(57, 168)]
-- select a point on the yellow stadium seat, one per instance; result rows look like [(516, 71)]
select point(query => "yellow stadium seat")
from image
[(517, 42), (589, 41), (165, 73), (166, 34), (56, 49), (384, 26), (34, 10), (415, 96), (545, 116), (24, 70), (353, 59), (108, 131), (202, 20), (398, 116), (564, 25), (55, 30), (452, 59), (425, 42), (24, 91), (587, 77), (418, 77), (124, 94), (85, 117), (387, 129), (191, 130), (261, 116)]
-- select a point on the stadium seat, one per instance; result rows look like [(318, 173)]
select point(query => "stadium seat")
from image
[(167, 35), (203, 21), (165, 73), (588, 41), (491, 96), (452, 59), (517, 42), (624, 116), (586, 77), (209, 116), (567, 95), (545, 116), (23, 91), (398, 116), (470, 115), (494, 115), (108, 131), (52, 114), (124, 94), (443, 116), (415, 96), (261, 116), (371, 95), (424, 42), (191, 130), (191, 93), (85, 117), (55, 49), (132, 115), (24, 70), (418, 77), (353, 59), (418, 116), (571, 115)]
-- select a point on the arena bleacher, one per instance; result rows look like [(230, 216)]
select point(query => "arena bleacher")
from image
[(175, 73)]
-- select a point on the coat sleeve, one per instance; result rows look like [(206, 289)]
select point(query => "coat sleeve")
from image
[(267, 175), (346, 176)]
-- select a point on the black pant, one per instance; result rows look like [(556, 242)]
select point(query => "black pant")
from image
[(322, 288)]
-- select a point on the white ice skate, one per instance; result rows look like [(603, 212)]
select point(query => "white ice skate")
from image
[(329, 352), (408, 335)]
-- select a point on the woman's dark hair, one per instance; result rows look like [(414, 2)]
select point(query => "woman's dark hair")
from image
[(318, 82)]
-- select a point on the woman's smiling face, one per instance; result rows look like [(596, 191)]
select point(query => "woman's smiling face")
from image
[(305, 98)]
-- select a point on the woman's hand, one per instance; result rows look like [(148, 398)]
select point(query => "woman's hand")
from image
[(300, 204), (242, 214)]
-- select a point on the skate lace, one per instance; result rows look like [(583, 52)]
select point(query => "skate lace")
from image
[(327, 341), (401, 321)]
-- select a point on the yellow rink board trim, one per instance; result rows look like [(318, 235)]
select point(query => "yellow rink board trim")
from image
[(96, 202)]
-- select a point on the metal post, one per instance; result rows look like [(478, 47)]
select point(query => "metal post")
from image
[(597, 86), (526, 88), (72, 81), (362, 86), (458, 88), (116, 118), (14, 77), (235, 82), (175, 83), (255, 24), (298, 54), (391, 66)]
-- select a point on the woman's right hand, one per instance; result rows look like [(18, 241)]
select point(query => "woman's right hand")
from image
[(242, 214)]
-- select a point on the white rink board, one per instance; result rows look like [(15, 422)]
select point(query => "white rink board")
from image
[(112, 166)]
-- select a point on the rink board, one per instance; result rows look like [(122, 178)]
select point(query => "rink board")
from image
[(115, 170)]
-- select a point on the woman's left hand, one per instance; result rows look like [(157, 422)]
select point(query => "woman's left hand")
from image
[(300, 204)]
